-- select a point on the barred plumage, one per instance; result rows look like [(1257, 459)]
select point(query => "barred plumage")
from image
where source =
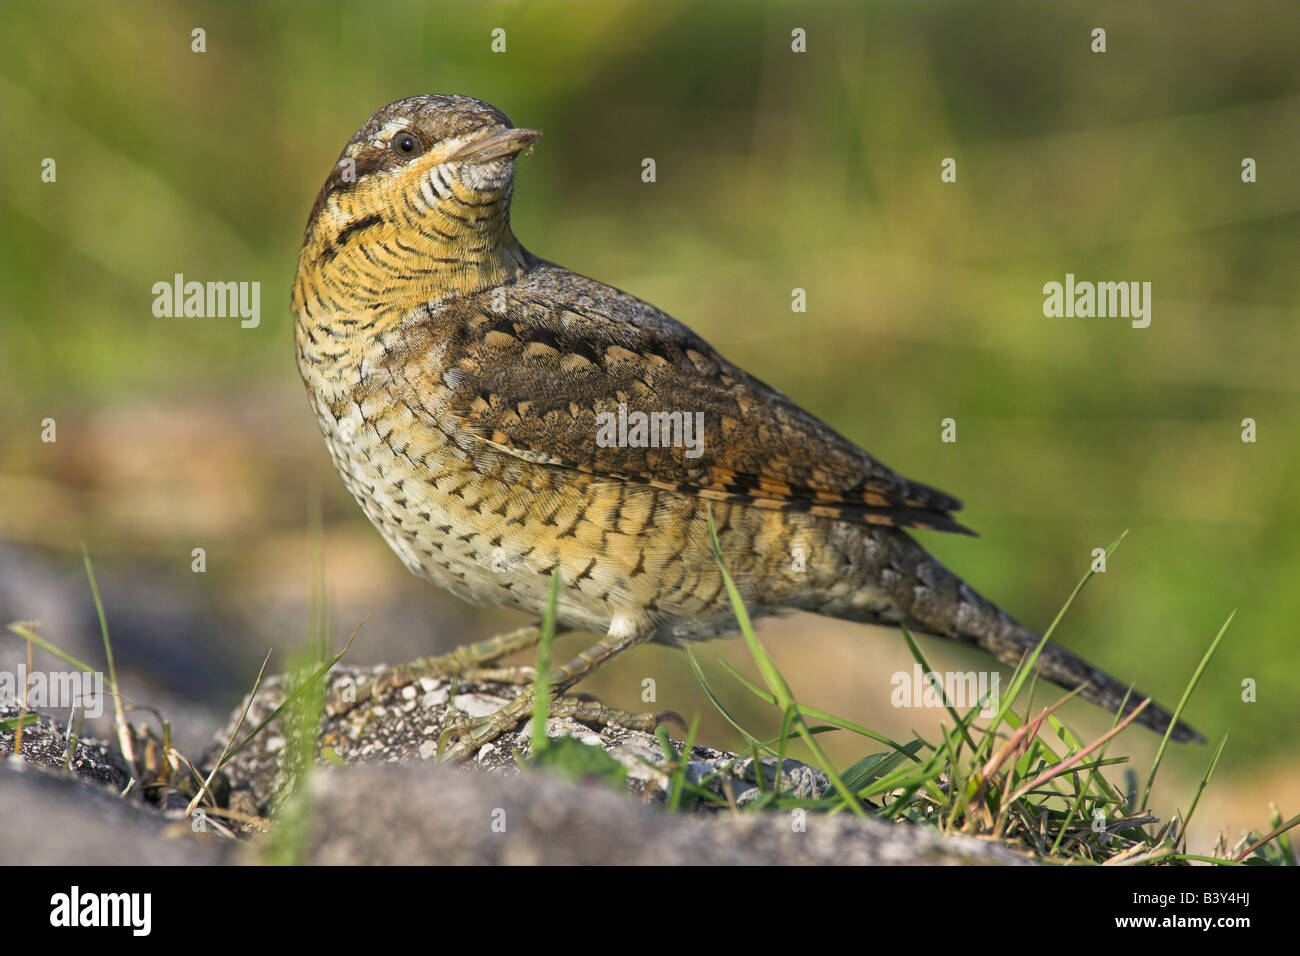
[(463, 384)]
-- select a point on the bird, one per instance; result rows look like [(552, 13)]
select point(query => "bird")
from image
[(502, 420)]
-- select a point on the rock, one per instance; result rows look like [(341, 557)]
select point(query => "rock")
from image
[(381, 730), (51, 817), (423, 814), (377, 798), (44, 745)]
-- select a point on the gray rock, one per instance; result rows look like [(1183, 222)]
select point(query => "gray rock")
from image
[(405, 724), (376, 798), (44, 745), (420, 814), (80, 817)]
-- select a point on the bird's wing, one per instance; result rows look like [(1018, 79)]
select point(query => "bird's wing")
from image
[(547, 368)]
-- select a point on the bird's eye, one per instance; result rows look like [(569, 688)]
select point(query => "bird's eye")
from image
[(406, 144)]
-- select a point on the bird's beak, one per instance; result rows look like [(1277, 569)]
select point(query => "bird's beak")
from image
[(504, 142)]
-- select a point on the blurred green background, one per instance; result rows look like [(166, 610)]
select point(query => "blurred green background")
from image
[(776, 170)]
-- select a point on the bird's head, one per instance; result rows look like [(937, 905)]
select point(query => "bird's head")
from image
[(426, 178)]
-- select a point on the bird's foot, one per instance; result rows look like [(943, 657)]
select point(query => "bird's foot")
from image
[(500, 675), (588, 710), (469, 661), (466, 737)]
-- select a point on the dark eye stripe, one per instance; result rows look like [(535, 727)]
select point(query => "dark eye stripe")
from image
[(356, 227)]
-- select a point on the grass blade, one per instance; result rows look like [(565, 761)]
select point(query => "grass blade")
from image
[(542, 682), (1178, 711), (773, 677)]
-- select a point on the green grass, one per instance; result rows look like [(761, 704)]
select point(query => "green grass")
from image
[(564, 756), (1004, 781)]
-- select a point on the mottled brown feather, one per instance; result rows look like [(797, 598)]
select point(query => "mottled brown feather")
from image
[(514, 346)]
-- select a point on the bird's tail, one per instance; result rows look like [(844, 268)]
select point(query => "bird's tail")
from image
[(933, 600)]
